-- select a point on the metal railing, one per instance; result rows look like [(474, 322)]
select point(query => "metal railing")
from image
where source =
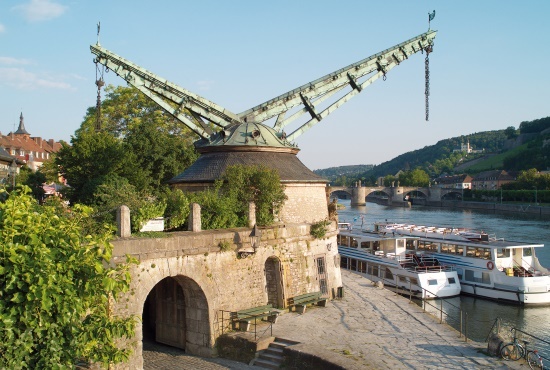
[(461, 321), (229, 319), (534, 342)]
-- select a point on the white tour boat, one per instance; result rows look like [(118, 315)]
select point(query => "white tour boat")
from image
[(487, 267), (391, 259)]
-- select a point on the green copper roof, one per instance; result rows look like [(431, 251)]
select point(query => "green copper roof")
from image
[(245, 135)]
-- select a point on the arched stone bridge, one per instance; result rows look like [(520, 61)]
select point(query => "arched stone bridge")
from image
[(395, 194)]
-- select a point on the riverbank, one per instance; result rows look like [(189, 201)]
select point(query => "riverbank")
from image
[(530, 209)]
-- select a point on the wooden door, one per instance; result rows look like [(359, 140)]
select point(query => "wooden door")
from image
[(170, 312)]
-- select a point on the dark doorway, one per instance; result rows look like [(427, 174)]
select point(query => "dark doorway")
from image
[(274, 282), (164, 314)]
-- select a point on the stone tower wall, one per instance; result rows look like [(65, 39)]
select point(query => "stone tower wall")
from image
[(306, 203)]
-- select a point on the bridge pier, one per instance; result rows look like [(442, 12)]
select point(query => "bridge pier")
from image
[(358, 194)]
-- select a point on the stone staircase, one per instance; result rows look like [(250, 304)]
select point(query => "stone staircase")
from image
[(272, 356)]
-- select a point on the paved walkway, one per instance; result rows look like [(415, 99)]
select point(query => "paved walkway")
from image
[(370, 328), (373, 328)]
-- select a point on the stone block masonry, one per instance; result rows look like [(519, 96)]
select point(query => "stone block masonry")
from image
[(212, 279)]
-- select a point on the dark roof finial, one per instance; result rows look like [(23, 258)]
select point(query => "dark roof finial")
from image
[(21, 130)]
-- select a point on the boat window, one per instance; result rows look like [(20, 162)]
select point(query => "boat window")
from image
[(527, 252), (471, 251), (376, 245), (448, 248), (401, 243), (503, 253), (451, 280), (484, 253), (413, 281), (353, 242), (460, 250), (362, 267), (375, 270), (344, 262), (469, 275), (411, 244), (345, 241), (432, 282), (365, 245), (388, 275), (402, 279), (485, 278), (353, 265)]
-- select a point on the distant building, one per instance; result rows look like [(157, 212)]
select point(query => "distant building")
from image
[(492, 180), (32, 151), (463, 181), (466, 148)]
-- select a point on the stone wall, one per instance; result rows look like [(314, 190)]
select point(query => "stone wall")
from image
[(306, 203), (213, 279)]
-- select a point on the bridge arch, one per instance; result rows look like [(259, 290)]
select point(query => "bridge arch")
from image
[(452, 195), (416, 193), (340, 193)]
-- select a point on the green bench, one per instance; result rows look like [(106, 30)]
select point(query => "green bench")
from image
[(300, 302), (243, 318)]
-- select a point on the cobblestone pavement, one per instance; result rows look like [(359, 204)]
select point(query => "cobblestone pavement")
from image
[(370, 328), (159, 357)]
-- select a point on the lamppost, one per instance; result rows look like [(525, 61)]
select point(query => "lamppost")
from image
[(255, 237), (13, 172)]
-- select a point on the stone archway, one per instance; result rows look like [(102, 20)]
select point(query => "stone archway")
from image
[(175, 313), (274, 282)]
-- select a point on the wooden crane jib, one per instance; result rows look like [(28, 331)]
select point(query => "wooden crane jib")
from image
[(199, 114)]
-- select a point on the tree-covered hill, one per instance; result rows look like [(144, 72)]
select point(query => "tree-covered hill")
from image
[(333, 173), (510, 149)]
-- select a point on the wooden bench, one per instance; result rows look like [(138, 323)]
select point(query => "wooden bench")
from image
[(243, 318), (300, 302)]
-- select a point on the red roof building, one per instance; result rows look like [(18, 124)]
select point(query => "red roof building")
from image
[(33, 151)]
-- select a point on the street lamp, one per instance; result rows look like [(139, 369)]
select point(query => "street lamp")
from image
[(13, 171), (255, 237)]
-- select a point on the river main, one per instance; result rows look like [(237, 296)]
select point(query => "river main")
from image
[(517, 226)]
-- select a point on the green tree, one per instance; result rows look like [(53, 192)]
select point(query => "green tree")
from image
[(257, 184), (511, 132), (416, 177), (138, 141), (56, 286)]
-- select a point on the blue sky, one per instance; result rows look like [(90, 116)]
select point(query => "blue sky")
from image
[(489, 68)]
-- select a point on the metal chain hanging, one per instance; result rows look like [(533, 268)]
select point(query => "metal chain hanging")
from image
[(99, 83), (427, 90)]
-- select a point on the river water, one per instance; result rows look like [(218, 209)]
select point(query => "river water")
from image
[(513, 226)]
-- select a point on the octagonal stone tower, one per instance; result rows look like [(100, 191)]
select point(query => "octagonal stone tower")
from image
[(257, 144)]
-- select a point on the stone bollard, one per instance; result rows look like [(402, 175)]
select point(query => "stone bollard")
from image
[(494, 344), (379, 284), (251, 214), (123, 222), (194, 223)]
